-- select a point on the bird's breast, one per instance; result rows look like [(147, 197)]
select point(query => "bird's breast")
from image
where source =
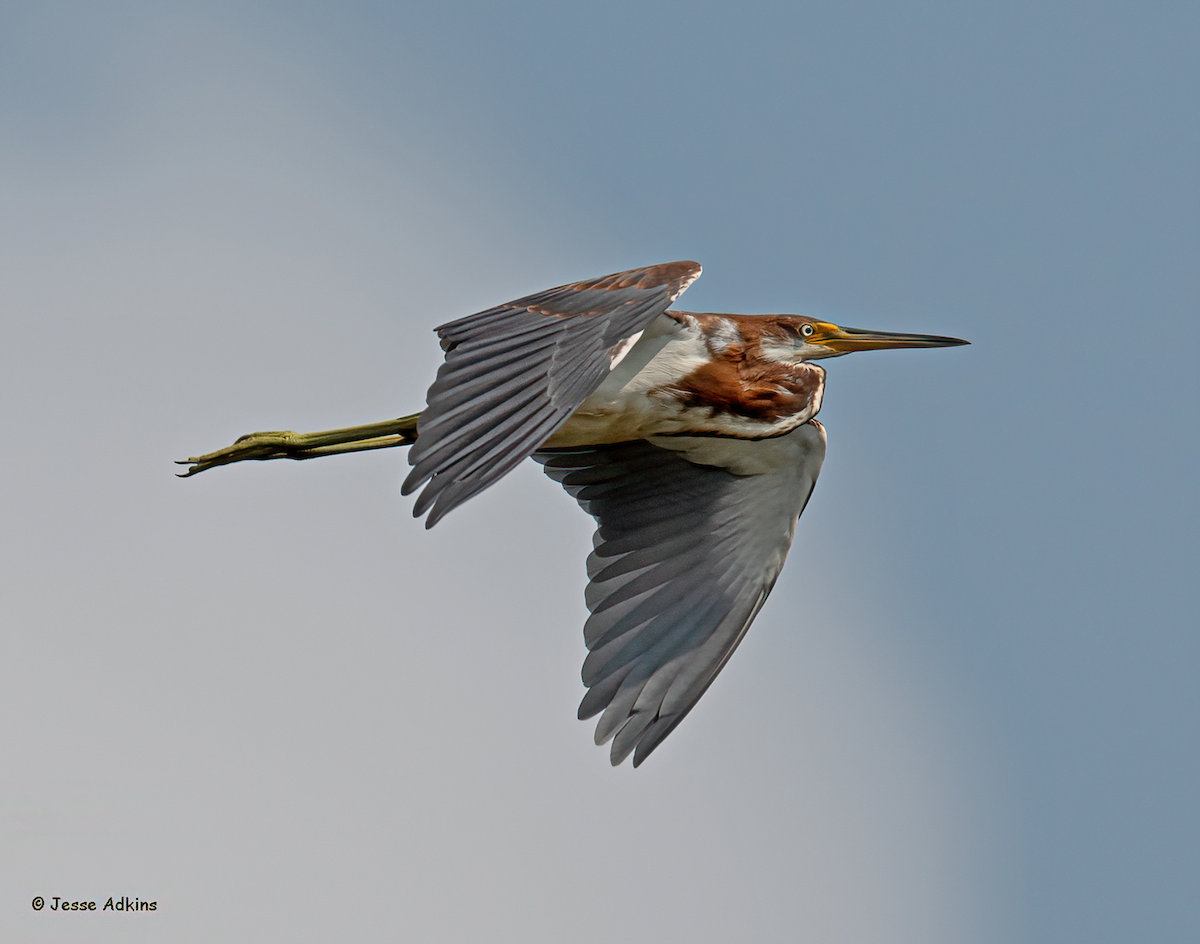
[(672, 382)]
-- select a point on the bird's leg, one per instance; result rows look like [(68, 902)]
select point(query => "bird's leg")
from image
[(289, 445)]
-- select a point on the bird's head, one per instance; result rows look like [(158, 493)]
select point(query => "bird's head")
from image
[(809, 339)]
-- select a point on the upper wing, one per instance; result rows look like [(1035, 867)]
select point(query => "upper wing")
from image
[(513, 374), (691, 534)]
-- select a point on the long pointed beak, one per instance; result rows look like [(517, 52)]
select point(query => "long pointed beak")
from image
[(846, 340)]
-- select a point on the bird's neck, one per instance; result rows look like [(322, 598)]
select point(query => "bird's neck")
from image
[(749, 379), (698, 374)]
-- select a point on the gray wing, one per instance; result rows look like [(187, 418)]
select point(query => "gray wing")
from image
[(691, 534), (515, 373)]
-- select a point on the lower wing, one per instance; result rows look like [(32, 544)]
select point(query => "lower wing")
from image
[(691, 534)]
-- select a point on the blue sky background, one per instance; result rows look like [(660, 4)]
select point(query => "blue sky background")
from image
[(269, 700)]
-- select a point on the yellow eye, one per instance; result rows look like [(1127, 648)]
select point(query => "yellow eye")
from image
[(807, 330)]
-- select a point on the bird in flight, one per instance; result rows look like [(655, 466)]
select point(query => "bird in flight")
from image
[(690, 437)]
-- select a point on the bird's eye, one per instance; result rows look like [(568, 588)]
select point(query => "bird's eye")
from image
[(807, 330)]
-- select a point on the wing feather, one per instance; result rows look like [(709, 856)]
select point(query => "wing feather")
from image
[(515, 373), (691, 536)]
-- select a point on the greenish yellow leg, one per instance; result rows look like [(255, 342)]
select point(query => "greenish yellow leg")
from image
[(289, 445)]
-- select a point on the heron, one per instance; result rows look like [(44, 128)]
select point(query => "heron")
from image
[(690, 437)]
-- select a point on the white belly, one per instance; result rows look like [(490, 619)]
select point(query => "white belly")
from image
[(623, 407), (635, 401)]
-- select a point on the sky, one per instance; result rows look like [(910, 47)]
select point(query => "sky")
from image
[(269, 701)]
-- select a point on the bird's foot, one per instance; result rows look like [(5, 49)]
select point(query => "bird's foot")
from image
[(289, 445), (260, 446)]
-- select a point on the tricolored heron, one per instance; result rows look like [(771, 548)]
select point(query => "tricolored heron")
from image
[(691, 438)]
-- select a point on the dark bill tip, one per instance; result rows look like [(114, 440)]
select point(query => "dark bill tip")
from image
[(856, 339)]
